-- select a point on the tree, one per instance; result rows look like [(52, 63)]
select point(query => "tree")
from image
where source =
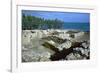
[(33, 22)]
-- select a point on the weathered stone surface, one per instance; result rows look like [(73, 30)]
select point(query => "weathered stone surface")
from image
[(71, 57), (33, 56), (66, 45), (53, 45)]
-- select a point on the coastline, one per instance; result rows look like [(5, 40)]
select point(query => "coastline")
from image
[(47, 43)]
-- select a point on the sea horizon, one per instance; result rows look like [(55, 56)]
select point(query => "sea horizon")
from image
[(76, 26), (71, 26)]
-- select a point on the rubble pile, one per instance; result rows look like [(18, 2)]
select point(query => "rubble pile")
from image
[(44, 45)]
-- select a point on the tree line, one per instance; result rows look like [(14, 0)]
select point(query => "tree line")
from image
[(33, 22)]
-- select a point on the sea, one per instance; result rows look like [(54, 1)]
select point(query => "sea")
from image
[(77, 26)]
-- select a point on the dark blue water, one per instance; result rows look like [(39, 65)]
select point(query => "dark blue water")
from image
[(77, 26)]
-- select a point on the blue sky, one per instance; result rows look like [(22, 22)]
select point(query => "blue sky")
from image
[(64, 16)]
